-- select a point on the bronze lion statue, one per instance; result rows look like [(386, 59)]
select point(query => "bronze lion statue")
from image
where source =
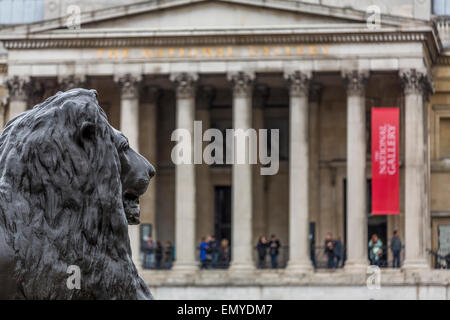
[(69, 188)]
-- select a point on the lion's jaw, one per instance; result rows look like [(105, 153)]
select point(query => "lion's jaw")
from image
[(131, 208)]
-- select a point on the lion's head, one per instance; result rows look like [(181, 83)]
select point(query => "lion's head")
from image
[(69, 187)]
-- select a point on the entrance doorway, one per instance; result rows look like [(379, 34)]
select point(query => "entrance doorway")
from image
[(222, 213), (375, 224)]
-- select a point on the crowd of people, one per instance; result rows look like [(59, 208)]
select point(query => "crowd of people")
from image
[(272, 247), (214, 254), (157, 256), (334, 250)]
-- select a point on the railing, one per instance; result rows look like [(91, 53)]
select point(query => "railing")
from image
[(441, 259), (272, 262), (319, 258), (443, 27)]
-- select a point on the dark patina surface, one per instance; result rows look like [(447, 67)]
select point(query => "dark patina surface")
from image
[(69, 188)]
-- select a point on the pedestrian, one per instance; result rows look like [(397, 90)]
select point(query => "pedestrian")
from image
[(338, 252), (274, 248), (204, 253), (168, 255), (375, 250), (158, 254), (261, 247), (224, 254), (396, 247), (329, 250), (148, 248), (214, 248)]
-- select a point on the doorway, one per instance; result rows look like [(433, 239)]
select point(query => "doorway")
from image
[(222, 213), (376, 224)]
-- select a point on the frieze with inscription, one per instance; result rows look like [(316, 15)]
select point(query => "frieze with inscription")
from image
[(213, 52)]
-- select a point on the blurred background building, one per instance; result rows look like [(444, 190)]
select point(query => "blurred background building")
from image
[(317, 66)]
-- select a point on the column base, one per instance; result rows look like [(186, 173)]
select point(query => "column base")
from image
[(299, 267), (412, 265), (185, 267), (356, 266), (242, 267)]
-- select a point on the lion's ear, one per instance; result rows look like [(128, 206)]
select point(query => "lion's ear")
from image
[(88, 131)]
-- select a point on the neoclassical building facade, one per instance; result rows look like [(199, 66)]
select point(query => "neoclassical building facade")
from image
[(312, 71)]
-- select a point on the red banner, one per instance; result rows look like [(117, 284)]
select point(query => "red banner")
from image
[(385, 162)]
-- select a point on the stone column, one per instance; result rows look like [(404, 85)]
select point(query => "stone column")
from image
[(71, 82), (129, 125), (3, 104), (299, 253), (242, 197), (185, 188), (260, 97), (415, 86), (314, 155), (357, 240), (19, 90), (149, 148), (205, 196)]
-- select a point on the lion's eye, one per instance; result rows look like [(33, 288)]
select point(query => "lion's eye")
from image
[(124, 146)]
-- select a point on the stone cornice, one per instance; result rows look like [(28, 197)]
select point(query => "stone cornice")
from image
[(233, 37), (218, 37)]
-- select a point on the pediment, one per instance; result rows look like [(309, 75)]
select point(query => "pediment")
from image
[(216, 15)]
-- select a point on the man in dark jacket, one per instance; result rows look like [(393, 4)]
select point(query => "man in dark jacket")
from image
[(261, 247), (214, 248), (274, 247), (396, 247), (148, 249), (338, 252)]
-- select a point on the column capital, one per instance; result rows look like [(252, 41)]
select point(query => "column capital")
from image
[(416, 82), (151, 94), (299, 82), (185, 84), (19, 87), (356, 81), (206, 95), (242, 83), (129, 85), (71, 82), (260, 96)]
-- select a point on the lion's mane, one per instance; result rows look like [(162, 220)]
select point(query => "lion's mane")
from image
[(61, 202)]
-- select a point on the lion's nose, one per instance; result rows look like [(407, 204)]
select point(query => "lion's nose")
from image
[(151, 171)]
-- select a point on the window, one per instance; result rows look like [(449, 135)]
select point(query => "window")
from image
[(441, 132), (21, 11), (444, 138), (441, 7)]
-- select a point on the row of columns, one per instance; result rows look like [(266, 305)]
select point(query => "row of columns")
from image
[(415, 85)]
